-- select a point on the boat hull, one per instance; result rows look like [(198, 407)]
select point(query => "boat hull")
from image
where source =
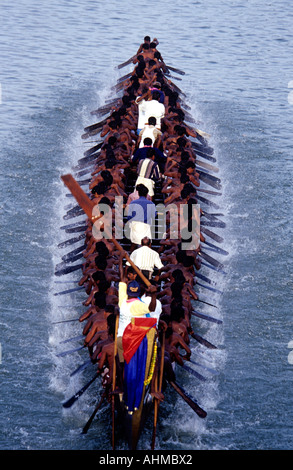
[(133, 422)]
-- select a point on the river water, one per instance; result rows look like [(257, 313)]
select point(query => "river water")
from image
[(57, 64)]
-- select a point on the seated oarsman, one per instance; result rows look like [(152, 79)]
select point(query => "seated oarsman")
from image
[(131, 306), (147, 52), (97, 322), (148, 172), (105, 184), (146, 40), (106, 353), (141, 217), (178, 322)]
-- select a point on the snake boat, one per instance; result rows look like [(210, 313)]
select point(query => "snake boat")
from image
[(183, 150)]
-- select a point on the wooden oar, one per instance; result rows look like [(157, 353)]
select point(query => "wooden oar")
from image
[(125, 77), (71, 241), (207, 166), (202, 277), (213, 250), (209, 179), (91, 154), (127, 62), (204, 148), (74, 252), (89, 422), (213, 268), (78, 394), (106, 107), (95, 126), (207, 191), (74, 225), (75, 258), (159, 388), (210, 259), (87, 205), (81, 367), (202, 134), (156, 406), (89, 166), (212, 223), (87, 171), (114, 383), (80, 228), (198, 410), (204, 155), (68, 291), (70, 351), (193, 372), (74, 338), (212, 235), (207, 202), (209, 288), (175, 70), (67, 270), (205, 302), (216, 248), (205, 317), (203, 341), (208, 369), (65, 321)]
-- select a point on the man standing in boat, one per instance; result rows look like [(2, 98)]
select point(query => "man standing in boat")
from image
[(148, 172), (141, 217), (146, 259), (130, 305)]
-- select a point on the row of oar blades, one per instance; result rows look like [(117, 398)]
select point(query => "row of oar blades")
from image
[(84, 168)]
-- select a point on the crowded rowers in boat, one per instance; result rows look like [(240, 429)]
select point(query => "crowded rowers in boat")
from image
[(140, 285)]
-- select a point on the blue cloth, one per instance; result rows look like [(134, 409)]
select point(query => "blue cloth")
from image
[(134, 375), (142, 210)]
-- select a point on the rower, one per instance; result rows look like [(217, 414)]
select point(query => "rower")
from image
[(106, 355), (146, 40)]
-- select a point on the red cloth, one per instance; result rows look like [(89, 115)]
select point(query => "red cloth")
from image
[(134, 334)]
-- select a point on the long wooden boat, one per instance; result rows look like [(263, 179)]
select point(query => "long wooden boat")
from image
[(135, 392)]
